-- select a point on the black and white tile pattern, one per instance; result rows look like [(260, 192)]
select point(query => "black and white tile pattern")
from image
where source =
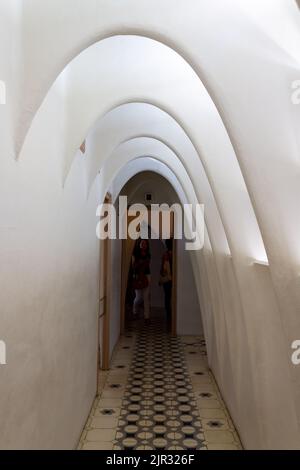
[(158, 394), (159, 410)]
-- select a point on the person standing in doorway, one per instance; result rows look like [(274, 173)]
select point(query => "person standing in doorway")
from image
[(141, 278), (166, 278)]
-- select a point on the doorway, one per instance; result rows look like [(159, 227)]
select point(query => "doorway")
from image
[(157, 248), (106, 286)]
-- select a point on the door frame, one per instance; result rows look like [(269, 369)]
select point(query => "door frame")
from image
[(103, 360)]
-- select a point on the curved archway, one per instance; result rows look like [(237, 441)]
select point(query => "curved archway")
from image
[(224, 283), (109, 21), (246, 286), (263, 136), (239, 204), (133, 126), (207, 295), (147, 152), (234, 201), (111, 25)]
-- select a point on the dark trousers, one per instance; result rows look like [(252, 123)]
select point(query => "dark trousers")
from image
[(168, 299)]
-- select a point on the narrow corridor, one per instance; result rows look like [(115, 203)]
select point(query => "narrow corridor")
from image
[(159, 394)]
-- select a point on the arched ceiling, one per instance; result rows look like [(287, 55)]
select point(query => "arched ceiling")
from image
[(209, 102), (133, 119), (228, 95)]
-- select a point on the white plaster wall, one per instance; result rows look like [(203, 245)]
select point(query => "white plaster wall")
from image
[(225, 177), (229, 97), (225, 349), (49, 254), (49, 295)]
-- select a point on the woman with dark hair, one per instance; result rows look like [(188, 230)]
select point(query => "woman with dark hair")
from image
[(141, 278)]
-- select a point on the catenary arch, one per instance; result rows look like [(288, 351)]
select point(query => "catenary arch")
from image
[(235, 204), (254, 297), (271, 144), (146, 173), (262, 348), (205, 286), (248, 119), (231, 318), (259, 301), (243, 18), (79, 115), (152, 31), (225, 274), (159, 27), (204, 276), (231, 105), (118, 133), (138, 164), (218, 156), (149, 121), (145, 181)]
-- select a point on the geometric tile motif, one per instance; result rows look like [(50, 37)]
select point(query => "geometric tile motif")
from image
[(159, 410)]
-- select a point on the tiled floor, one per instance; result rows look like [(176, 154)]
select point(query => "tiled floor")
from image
[(159, 394)]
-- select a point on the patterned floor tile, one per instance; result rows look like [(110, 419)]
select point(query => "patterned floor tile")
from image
[(160, 384), (159, 394)]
